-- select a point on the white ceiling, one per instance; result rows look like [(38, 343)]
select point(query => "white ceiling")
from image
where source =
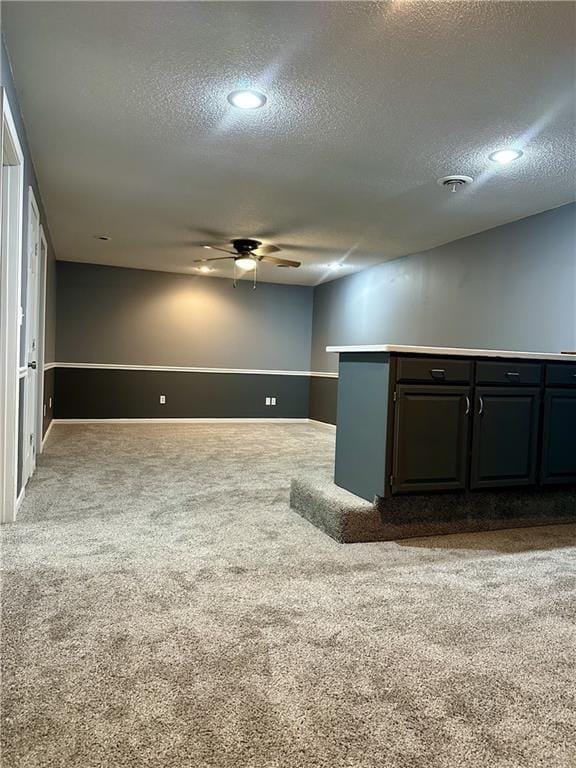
[(368, 104)]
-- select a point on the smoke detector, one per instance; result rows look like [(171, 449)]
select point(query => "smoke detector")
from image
[(454, 183)]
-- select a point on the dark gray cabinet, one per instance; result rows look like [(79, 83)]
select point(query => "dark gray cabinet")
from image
[(420, 423), (559, 434), (509, 372), (415, 370), (430, 438), (505, 437), (561, 375)]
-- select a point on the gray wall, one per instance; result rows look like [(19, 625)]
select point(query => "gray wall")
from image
[(7, 82), (512, 287), (139, 317)]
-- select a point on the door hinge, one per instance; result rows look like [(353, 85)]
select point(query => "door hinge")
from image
[(391, 479), (395, 396)]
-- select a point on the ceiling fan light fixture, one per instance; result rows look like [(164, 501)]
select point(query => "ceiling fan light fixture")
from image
[(245, 263), (247, 99)]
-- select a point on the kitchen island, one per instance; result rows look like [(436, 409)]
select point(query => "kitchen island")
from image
[(477, 436)]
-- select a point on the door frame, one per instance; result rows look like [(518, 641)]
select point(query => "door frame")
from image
[(41, 357), (11, 255), (30, 328)]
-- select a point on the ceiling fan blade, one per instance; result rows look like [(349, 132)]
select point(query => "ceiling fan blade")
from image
[(280, 262), (217, 248), (216, 258), (264, 249)]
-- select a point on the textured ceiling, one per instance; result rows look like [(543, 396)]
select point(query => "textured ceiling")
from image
[(368, 104)]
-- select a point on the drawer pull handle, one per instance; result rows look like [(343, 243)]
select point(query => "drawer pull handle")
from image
[(438, 373), (481, 406), (513, 375)]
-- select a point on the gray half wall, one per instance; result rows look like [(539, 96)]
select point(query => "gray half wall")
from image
[(48, 414), (323, 398), (86, 393), (512, 287)]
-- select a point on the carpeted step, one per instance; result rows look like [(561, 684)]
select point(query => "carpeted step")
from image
[(349, 519)]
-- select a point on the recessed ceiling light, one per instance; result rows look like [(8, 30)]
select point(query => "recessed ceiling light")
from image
[(101, 237), (504, 156), (247, 99)]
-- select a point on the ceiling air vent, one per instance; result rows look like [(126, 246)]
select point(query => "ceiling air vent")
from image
[(454, 183)]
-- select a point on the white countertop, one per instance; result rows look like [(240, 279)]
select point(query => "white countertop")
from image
[(454, 351)]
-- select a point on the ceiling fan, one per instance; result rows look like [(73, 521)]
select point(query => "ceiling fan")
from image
[(247, 254)]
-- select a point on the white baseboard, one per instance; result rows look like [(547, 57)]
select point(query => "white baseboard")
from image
[(181, 421), (47, 433), (323, 424), (19, 500)]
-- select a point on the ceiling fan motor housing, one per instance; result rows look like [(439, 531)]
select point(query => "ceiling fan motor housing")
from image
[(245, 244)]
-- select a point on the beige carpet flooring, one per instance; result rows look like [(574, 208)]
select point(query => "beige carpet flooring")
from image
[(162, 607)]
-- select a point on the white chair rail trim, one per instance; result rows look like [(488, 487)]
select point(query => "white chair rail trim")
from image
[(186, 369)]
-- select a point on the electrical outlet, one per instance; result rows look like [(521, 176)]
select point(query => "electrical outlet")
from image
[(162, 399), (273, 401), (268, 399)]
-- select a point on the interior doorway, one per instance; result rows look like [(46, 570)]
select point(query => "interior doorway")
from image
[(11, 262)]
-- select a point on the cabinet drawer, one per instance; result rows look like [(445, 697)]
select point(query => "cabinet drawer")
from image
[(561, 374), (434, 369), (512, 373)]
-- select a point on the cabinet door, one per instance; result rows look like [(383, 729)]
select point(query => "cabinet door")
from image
[(505, 437), (559, 438), (430, 438)]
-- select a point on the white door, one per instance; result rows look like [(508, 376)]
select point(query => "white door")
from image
[(28, 372)]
